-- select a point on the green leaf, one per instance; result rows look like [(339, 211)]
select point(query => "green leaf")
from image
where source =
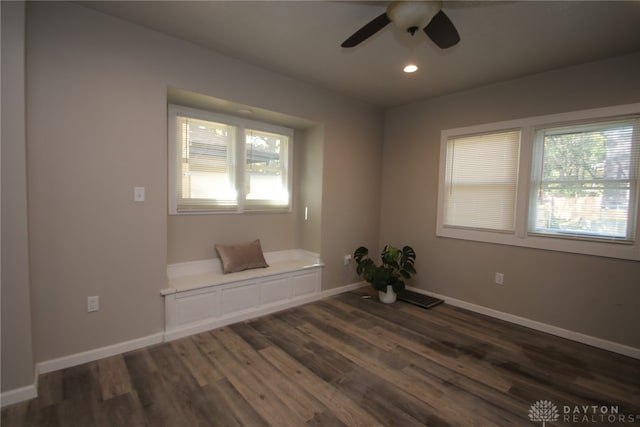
[(396, 265)]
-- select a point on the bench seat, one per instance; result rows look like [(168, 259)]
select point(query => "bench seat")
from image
[(200, 297)]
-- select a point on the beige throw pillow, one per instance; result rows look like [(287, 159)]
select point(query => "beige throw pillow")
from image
[(240, 257)]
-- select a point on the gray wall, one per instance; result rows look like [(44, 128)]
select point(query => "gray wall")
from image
[(17, 348), (96, 117), (309, 147), (96, 126), (592, 295)]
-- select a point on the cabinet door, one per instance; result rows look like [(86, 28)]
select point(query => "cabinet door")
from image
[(273, 290), (306, 283), (196, 306), (239, 297)]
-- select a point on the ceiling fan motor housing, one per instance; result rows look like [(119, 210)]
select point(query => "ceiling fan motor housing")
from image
[(411, 16)]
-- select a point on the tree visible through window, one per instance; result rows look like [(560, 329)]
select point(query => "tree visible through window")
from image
[(568, 182), (586, 181), (266, 156)]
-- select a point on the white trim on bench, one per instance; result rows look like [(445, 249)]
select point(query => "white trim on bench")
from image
[(200, 297)]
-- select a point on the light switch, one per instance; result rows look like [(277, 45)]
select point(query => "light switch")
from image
[(93, 303), (138, 194)]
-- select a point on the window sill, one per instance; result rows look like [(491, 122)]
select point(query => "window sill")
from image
[(607, 249)]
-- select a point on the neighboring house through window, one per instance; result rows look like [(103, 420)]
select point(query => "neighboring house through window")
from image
[(220, 163)]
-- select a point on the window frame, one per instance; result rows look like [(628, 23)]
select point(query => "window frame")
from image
[(449, 185), (538, 181), (239, 178), (522, 236)]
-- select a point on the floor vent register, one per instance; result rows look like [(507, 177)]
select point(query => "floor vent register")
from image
[(421, 300)]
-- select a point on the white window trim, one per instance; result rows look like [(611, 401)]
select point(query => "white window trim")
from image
[(521, 236), (241, 123)]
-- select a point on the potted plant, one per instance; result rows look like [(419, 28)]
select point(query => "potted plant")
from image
[(388, 277)]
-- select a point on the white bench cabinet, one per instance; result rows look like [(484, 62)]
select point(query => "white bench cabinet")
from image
[(200, 297)]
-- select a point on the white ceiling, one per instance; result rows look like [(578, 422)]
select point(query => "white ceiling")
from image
[(499, 40)]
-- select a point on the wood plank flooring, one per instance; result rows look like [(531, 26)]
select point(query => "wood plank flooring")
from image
[(345, 361)]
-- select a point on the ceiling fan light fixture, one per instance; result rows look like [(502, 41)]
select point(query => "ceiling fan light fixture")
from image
[(410, 68), (411, 16)]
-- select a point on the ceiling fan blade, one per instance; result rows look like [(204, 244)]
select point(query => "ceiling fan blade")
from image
[(442, 31), (367, 31)]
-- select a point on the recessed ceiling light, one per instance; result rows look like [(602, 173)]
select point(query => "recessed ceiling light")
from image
[(411, 68)]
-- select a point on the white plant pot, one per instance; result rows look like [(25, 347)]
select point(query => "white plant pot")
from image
[(387, 297)]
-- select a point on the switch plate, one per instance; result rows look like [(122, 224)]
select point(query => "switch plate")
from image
[(138, 194), (93, 303), (499, 278)]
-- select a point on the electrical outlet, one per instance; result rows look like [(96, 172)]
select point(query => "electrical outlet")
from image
[(499, 278), (93, 303), (347, 258)]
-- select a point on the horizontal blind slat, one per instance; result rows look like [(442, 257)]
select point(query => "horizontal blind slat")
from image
[(481, 180)]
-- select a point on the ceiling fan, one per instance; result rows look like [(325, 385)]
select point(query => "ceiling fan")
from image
[(411, 16)]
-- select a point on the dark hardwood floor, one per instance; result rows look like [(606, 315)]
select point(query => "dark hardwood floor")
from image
[(347, 361)]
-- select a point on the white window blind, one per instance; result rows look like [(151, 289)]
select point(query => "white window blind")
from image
[(481, 180), (585, 180), (206, 169)]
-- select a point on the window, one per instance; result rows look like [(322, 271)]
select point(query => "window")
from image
[(584, 181), (480, 181), (266, 179), (221, 163), (565, 182)]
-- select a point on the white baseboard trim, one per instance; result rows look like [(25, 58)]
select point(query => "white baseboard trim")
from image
[(98, 353), (18, 395), (21, 394), (206, 325), (341, 289), (31, 391), (123, 347), (538, 326)]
